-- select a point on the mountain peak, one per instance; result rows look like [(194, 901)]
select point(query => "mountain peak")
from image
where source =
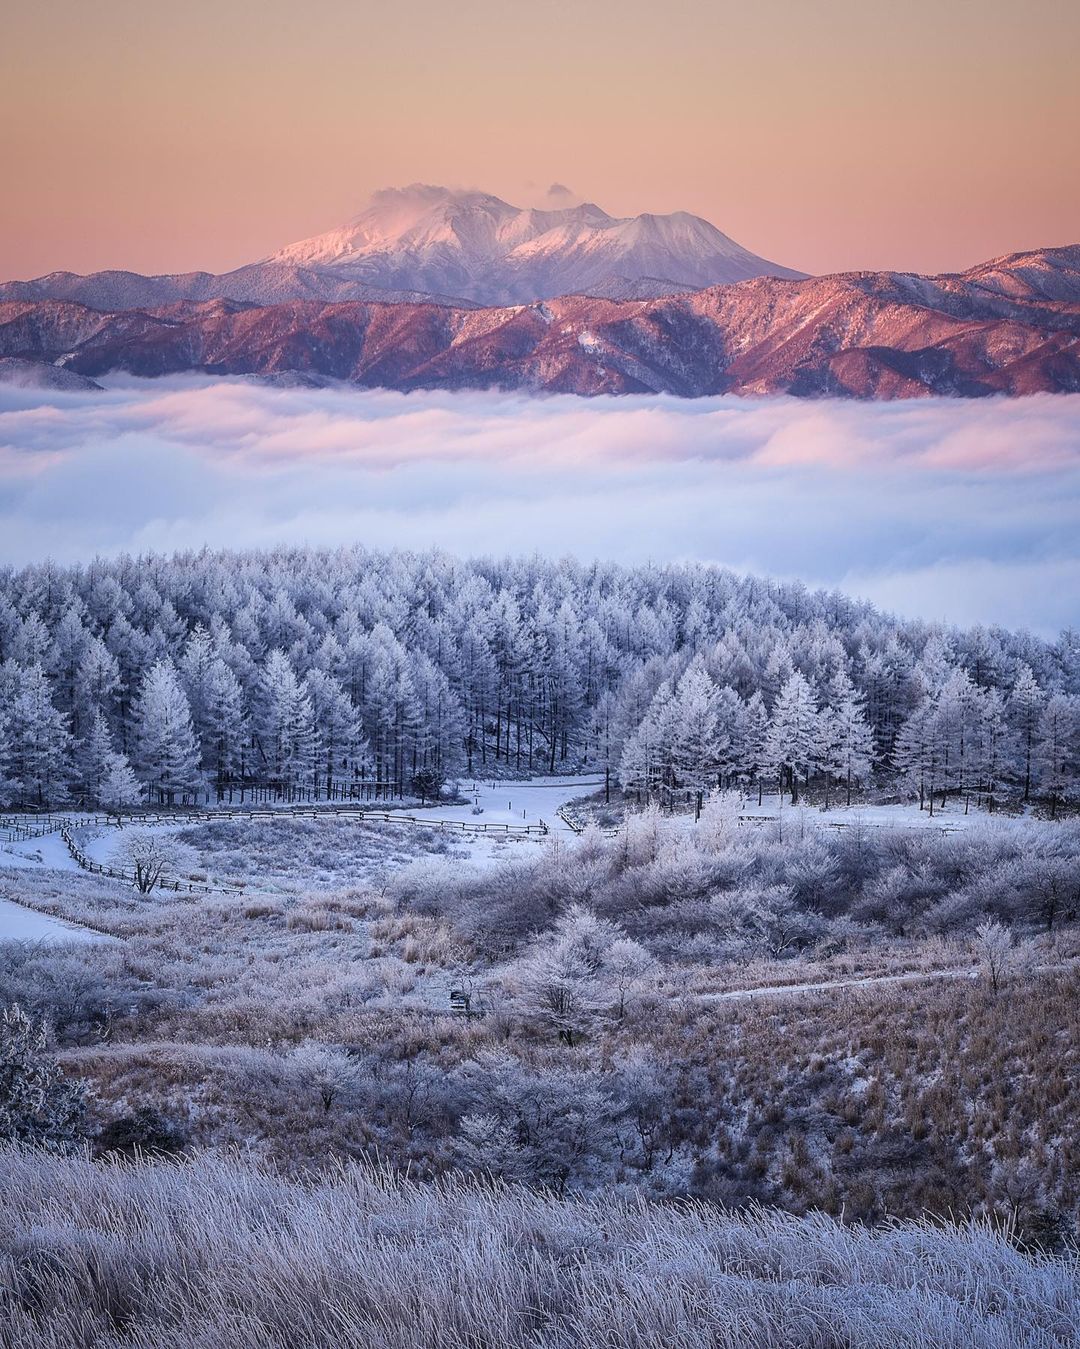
[(472, 243)]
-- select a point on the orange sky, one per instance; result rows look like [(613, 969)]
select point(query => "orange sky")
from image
[(824, 134)]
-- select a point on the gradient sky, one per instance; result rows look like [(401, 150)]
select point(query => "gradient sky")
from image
[(824, 134)]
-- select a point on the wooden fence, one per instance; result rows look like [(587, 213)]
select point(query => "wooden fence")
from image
[(22, 827), (120, 874), (187, 815)]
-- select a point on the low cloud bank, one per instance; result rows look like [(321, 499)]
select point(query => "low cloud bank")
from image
[(947, 509)]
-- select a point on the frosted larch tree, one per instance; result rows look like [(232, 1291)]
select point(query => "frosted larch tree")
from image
[(166, 750), (792, 745)]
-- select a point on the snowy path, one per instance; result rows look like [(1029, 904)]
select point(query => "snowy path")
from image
[(868, 981), (18, 923)]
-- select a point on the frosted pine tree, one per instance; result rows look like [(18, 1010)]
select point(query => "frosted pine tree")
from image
[(917, 752), (226, 727), (339, 746), (755, 734), (166, 750), (997, 751), (8, 786), (285, 725), (696, 749), (730, 733), (1026, 703), (846, 737), (1057, 748), (792, 745), (105, 776), (194, 668), (39, 744)]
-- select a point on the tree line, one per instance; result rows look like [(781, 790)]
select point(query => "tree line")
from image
[(327, 674)]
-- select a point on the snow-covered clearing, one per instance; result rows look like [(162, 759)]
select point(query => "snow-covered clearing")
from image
[(533, 801), (25, 925), (459, 827), (515, 804), (18, 923), (22, 924), (48, 851), (906, 815)]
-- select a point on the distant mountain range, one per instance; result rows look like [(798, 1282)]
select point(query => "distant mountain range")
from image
[(603, 306), (457, 248)]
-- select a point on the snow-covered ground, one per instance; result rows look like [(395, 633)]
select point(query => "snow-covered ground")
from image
[(907, 815), (24, 925), (533, 801), (48, 851)]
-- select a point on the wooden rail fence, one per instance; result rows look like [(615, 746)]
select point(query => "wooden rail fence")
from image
[(28, 826)]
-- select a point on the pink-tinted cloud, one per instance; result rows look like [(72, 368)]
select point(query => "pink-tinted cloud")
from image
[(958, 509)]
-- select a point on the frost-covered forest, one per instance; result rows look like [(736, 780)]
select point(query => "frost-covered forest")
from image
[(351, 673), (717, 1057)]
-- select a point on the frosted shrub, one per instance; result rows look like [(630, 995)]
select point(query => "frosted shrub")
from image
[(313, 916), (37, 1105)]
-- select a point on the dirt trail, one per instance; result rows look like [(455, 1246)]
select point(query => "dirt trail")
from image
[(868, 981)]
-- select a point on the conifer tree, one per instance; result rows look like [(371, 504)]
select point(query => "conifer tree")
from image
[(166, 750), (792, 745), (1056, 748), (105, 776), (285, 725), (1026, 703), (39, 744)]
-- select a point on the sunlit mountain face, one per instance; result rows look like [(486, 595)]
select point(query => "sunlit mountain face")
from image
[(461, 248), (1009, 326)]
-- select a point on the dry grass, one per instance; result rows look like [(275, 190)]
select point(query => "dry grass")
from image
[(216, 1253)]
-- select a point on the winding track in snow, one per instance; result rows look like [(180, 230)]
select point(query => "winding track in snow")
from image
[(867, 981)]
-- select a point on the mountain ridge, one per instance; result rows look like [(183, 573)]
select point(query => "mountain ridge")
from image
[(997, 328)]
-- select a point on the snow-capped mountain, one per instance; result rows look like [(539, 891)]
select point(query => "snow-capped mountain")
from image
[(477, 246), (461, 249)]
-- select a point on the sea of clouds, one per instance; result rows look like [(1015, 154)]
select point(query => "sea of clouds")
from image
[(961, 510)]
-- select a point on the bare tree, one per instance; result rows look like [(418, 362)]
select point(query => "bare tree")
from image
[(1000, 956), (149, 857)]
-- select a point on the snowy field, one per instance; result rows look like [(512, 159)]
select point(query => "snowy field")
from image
[(24, 925), (279, 855), (530, 802), (905, 816)]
